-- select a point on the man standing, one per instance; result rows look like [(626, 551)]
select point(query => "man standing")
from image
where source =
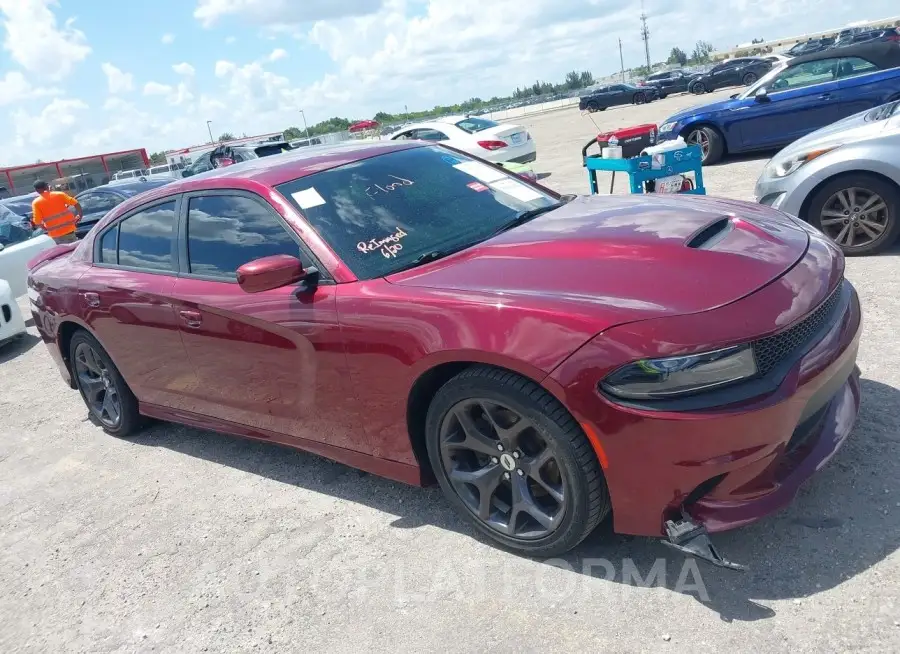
[(56, 212)]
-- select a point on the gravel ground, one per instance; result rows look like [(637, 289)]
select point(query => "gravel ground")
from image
[(181, 540)]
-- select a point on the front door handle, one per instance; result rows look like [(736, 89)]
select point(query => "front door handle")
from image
[(825, 96), (191, 318), (92, 299)]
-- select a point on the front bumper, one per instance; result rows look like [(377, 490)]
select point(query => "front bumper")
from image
[(733, 464), (781, 193)]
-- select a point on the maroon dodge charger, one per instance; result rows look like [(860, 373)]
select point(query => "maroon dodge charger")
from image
[(680, 364)]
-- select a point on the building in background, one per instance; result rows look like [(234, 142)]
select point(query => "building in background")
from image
[(71, 174)]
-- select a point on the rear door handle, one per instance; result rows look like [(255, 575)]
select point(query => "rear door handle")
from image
[(92, 299), (825, 96), (191, 318)]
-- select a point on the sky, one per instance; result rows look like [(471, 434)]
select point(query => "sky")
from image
[(82, 77)]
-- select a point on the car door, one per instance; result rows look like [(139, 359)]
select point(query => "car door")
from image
[(274, 361), (860, 87), (800, 99), (127, 302), (721, 75)]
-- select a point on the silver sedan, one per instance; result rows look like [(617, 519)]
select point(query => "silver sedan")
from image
[(843, 179)]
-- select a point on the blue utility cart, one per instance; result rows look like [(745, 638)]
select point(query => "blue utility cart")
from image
[(645, 172)]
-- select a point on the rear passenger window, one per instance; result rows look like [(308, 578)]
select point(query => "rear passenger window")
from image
[(108, 246), (146, 238), (227, 231)]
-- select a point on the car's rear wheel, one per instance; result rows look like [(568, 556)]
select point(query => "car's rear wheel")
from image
[(859, 212), (749, 78), (512, 460), (698, 88), (639, 98), (711, 143), (104, 391), (592, 107)]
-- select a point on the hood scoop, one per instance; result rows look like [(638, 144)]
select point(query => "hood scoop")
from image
[(714, 232)]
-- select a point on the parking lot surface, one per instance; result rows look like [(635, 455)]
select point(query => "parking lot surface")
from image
[(182, 540)]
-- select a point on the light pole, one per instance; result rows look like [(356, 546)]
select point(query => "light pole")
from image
[(305, 126), (208, 123)]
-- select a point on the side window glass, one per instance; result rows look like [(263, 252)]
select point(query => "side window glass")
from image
[(89, 203), (145, 238), (108, 246), (226, 231), (852, 66), (806, 74), (430, 135)]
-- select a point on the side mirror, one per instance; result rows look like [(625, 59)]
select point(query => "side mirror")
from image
[(762, 95), (269, 273)]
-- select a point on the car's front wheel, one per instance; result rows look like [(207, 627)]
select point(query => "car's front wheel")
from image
[(592, 107), (108, 398), (639, 98), (749, 78), (511, 459), (712, 145), (698, 88), (859, 212)]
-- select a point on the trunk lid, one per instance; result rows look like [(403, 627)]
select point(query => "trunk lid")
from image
[(631, 257), (512, 134)]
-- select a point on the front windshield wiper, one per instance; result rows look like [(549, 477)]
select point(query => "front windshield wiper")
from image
[(525, 216)]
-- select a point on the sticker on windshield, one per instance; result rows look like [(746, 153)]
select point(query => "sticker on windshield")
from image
[(517, 190), (477, 186), (308, 199), (389, 246), (481, 172), (450, 159)]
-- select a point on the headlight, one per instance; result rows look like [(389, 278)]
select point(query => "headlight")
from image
[(667, 127), (663, 378), (784, 167)]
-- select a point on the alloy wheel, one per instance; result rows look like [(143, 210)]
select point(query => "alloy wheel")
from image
[(699, 137), (854, 217), (506, 473), (98, 386), (749, 79)]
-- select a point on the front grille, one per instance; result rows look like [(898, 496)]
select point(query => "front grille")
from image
[(772, 350), (7, 313)]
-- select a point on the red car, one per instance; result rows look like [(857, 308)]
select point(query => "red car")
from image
[(681, 364)]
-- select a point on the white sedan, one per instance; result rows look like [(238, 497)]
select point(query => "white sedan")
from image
[(477, 136)]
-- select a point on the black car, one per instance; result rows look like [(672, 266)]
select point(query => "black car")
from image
[(613, 95), (734, 72), (96, 202), (234, 153), (875, 36), (812, 46), (669, 82)]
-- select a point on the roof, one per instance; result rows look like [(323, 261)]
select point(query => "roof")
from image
[(280, 168), (883, 54), (128, 186)]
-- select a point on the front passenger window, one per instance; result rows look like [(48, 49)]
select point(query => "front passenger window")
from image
[(226, 231)]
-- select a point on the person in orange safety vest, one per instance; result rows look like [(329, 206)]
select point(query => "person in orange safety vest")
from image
[(56, 212)]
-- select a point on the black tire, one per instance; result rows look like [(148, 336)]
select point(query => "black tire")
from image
[(749, 78), (663, 96), (888, 192), (639, 98), (715, 148), (586, 499), (129, 420), (592, 107), (698, 88)]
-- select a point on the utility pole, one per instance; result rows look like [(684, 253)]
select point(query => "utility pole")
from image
[(622, 61), (208, 122), (645, 34), (305, 127)]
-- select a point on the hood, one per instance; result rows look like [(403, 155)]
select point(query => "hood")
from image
[(713, 107), (867, 124), (626, 258)]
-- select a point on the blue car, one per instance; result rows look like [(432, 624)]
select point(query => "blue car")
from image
[(98, 201), (807, 93)]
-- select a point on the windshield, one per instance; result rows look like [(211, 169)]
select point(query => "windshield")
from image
[(472, 125), (381, 214)]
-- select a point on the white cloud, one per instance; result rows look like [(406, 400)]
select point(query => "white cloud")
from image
[(14, 88), (278, 53), (184, 68), (282, 12), (167, 39), (43, 129), (117, 80), (155, 88), (36, 43)]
